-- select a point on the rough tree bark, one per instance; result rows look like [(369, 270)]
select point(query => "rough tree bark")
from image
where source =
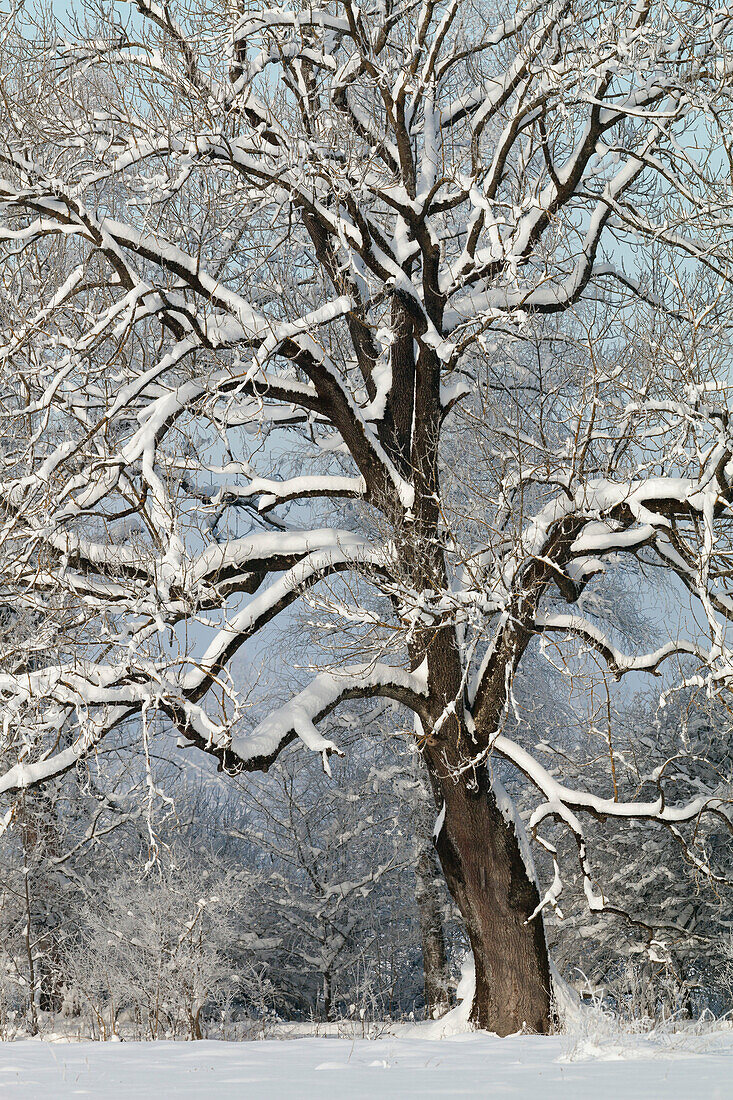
[(486, 875)]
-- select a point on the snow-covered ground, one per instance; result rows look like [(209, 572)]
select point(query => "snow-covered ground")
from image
[(618, 1067)]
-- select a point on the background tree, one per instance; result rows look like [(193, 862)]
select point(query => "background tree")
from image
[(660, 946), (330, 856)]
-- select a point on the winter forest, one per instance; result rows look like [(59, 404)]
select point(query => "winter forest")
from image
[(366, 525)]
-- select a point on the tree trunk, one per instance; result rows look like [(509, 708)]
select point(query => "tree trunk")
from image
[(429, 898), (485, 872), (327, 996), (478, 849), (434, 955)]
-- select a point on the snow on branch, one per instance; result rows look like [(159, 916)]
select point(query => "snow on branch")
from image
[(618, 663), (299, 716)]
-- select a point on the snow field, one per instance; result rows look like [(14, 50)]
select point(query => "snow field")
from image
[(647, 1067)]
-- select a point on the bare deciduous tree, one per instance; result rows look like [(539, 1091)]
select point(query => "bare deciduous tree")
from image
[(304, 251)]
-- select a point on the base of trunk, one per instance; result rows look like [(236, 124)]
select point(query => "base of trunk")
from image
[(486, 874)]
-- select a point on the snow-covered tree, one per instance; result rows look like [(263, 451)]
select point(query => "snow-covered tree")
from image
[(315, 260), (331, 859), (149, 950), (669, 904)]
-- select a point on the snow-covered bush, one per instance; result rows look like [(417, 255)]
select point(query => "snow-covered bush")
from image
[(148, 960), (337, 864)]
